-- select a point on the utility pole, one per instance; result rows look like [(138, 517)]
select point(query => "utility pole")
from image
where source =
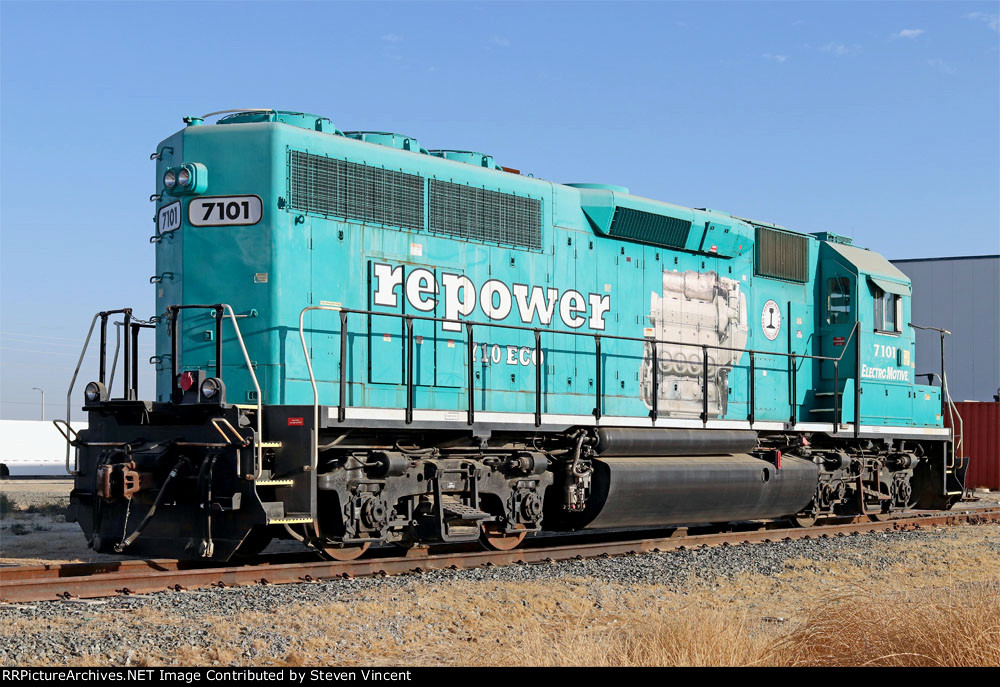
[(35, 388)]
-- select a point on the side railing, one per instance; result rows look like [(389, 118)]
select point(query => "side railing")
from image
[(653, 343), (131, 366), (947, 403), (130, 369)]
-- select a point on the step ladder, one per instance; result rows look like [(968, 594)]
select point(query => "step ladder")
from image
[(829, 395), (266, 480), (460, 522), (276, 515), (452, 506)]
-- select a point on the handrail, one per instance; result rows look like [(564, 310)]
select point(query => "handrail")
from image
[(131, 368), (470, 324), (114, 358), (854, 329), (172, 312), (857, 381), (131, 365), (314, 442), (238, 110), (72, 383), (259, 468), (559, 332), (946, 399), (131, 348)]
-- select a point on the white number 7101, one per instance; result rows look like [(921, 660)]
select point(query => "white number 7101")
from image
[(885, 351)]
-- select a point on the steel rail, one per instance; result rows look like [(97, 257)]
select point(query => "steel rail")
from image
[(55, 582)]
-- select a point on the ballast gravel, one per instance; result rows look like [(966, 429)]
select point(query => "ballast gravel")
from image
[(673, 570)]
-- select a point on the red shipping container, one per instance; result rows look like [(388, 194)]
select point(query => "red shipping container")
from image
[(981, 427)]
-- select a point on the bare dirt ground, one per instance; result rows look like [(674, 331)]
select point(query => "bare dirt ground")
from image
[(33, 527), (34, 531)]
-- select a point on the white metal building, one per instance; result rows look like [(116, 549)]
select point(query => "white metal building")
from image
[(961, 295), (33, 447)]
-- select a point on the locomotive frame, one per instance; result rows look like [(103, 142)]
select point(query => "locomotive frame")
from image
[(207, 477)]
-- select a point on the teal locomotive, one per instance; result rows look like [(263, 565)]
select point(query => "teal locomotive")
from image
[(360, 341)]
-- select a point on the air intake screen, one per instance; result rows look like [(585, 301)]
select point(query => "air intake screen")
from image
[(649, 227), (337, 188), (482, 215), (781, 255)]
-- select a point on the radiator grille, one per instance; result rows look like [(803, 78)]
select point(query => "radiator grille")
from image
[(781, 255), (649, 227), (337, 188), (482, 215)]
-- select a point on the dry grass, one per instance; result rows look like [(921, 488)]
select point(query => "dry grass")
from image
[(686, 637), (946, 628), (938, 604), (7, 504)]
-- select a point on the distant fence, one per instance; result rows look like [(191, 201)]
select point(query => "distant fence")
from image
[(981, 427), (30, 448)]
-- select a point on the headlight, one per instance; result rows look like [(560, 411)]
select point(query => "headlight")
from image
[(190, 177), (94, 392), (169, 179), (210, 388)]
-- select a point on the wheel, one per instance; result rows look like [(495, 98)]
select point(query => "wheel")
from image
[(343, 553), (493, 537), (802, 520)]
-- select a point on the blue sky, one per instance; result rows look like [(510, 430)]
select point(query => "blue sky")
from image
[(880, 121)]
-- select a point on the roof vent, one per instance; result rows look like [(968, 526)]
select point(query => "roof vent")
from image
[(302, 120), (833, 238), (387, 138), (600, 187), (468, 157)]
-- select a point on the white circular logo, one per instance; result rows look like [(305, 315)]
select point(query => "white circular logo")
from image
[(770, 320)]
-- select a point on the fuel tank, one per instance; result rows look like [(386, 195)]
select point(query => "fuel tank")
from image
[(637, 491), (632, 441)]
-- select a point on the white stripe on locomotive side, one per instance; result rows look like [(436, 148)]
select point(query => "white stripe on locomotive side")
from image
[(483, 416)]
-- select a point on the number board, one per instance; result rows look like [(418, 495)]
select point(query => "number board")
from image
[(169, 217), (222, 211)]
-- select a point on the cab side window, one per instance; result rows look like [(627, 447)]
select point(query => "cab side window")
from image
[(888, 311), (838, 300)]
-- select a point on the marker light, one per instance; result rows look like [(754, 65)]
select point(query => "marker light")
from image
[(210, 388), (183, 177), (169, 179)]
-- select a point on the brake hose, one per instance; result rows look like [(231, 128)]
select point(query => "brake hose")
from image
[(125, 543)]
